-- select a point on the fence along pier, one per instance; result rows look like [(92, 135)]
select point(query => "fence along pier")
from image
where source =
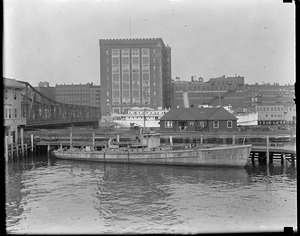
[(265, 149)]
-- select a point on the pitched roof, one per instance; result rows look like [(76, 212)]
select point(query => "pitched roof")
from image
[(12, 83), (222, 114), (207, 113)]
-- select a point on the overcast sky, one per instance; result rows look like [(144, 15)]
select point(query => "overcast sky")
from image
[(58, 40)]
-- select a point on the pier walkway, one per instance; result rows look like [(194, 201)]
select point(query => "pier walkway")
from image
[(265, 148)]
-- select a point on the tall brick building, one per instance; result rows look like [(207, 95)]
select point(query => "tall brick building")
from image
[(134, 73)]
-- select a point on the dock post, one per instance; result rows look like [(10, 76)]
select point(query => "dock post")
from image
[(267, 153), (31, 137), (233, 140), (12, 150), (48, 149), (71, 139), (282, 158), (252, 157), (271, 157), (17, 150), (22, 141), (26, 149), (201, 139), (93, 141), (171, 142), (293, 159), (61, 147), (6, 148), (118, 138)]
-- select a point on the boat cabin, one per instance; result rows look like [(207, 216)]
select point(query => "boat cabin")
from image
[(149, 140)]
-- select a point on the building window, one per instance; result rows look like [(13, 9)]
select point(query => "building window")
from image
[(168, 124), (229, 124), (116, 110), (16, 112), (216, 124)]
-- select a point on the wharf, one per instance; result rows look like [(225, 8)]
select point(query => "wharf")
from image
[(285, 149), (266, 146)]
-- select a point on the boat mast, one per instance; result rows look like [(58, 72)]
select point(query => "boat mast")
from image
[(146, 95), (144, 118)]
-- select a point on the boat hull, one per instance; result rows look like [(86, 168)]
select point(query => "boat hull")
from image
[(217, 156)]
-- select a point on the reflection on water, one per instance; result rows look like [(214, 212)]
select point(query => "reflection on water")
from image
[(46, 195)]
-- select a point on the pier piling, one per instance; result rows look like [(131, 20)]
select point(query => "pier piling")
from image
[(252, 157), (71, 139), (282, 156), (93, 141), (22, 141), (26, 149), (270, 158), (267, 153), (48, 149), (31, 138), (6, 148), (293, 159)]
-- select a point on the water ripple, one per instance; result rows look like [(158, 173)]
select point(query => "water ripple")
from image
[(81, 197)]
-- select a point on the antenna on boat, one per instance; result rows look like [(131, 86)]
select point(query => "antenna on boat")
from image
[(146, 96)]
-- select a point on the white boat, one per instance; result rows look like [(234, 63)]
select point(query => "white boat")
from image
[(247, 118), (140, 117), (147, 150)]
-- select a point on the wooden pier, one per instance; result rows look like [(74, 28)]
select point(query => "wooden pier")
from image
[(265, 149), (267, 154)]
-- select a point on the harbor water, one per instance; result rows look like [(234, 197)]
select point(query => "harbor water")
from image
[(45, 195)]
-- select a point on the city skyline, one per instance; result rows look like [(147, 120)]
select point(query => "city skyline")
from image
[(58, 41)]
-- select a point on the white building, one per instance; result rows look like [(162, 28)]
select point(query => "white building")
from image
[(272, 114), (13, 120)]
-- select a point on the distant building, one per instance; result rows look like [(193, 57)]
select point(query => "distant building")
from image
[(222, 91), (134, 73), (198, 119), (273, 114), (78, 94), (13, 119), (46, 90), (264, 94)]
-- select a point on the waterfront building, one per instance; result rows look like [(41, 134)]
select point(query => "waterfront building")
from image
[(268, 94), (210, 119), (221, 91), (230, 91), (273, 114), (13, 119), (78, 94), (134, 73)]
